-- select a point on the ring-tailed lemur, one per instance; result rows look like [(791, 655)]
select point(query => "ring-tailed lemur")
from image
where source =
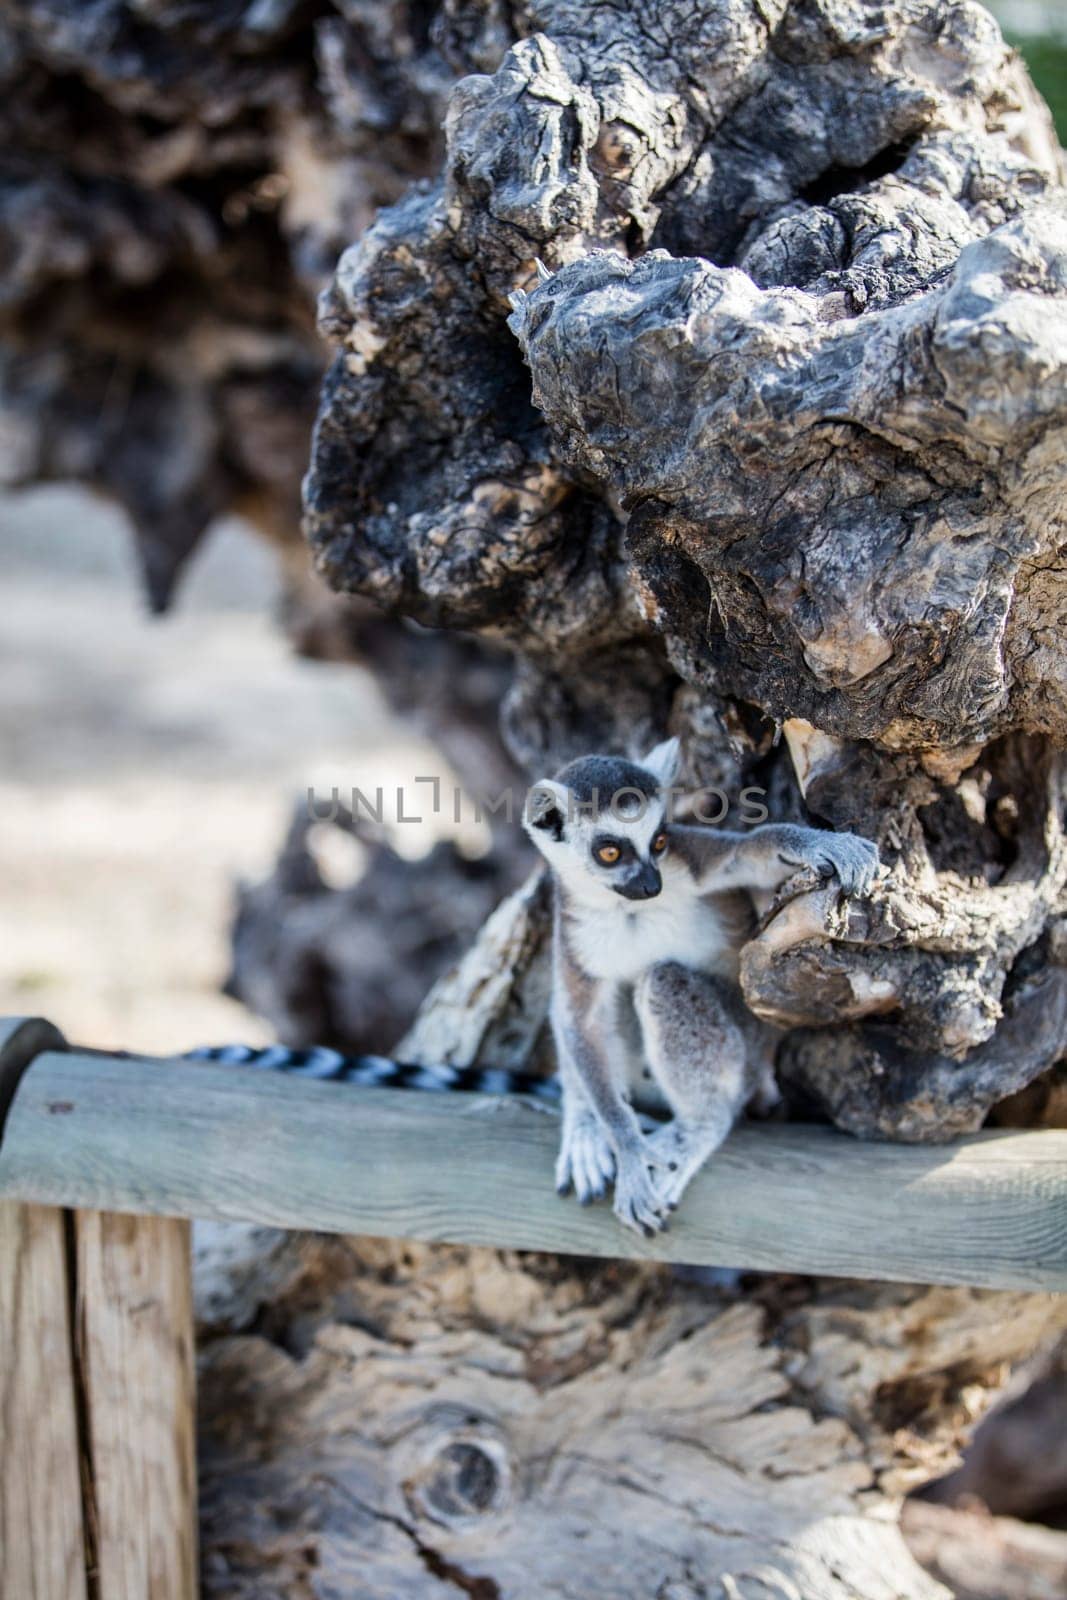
[(646, 1011), (645, 956)]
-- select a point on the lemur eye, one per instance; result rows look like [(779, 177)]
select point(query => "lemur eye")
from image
[(608, 854), (659, 844)]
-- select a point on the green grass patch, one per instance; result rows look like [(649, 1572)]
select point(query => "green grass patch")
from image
[(1046, 56)]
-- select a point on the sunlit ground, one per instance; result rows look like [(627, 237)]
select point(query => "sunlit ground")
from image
[(146, 764)]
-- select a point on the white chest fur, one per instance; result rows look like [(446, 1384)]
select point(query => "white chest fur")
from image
[(618, 942)]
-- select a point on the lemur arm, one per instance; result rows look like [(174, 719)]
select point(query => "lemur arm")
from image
[(582, 1023), (764, 857)]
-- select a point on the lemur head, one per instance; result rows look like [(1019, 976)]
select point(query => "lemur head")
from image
[(600, 823)]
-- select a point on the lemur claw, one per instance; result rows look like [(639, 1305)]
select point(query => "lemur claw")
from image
[(586, 1162), (854, 861), (638, 1204)]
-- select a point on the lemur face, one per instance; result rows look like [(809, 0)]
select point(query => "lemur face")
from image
[(600, 823)]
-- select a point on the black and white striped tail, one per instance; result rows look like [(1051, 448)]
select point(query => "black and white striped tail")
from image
[(379, 1072)]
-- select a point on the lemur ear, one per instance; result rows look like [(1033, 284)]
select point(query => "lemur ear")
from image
[(664, 762), (546, 808)]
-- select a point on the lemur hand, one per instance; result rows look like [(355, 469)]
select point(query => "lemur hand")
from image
[(846, 856), (586, 1161)]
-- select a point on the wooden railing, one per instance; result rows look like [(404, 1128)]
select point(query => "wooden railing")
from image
[(103, 1157), (182, 1138)]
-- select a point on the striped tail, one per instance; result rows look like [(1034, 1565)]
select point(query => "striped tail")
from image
[(379, 1072)]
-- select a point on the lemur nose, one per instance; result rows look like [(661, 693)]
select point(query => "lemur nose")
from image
[(644, 884)]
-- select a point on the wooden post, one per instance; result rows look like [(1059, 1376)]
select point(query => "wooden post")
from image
[(134, 1336), (42, 1531), (42, 1536), (97, 1465)]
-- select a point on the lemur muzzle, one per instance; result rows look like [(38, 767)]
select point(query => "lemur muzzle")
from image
[(644, 884)]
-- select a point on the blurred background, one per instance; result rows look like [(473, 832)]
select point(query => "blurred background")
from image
[(152, 765)]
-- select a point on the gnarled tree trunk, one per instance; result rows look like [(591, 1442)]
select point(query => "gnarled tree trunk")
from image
[(406, 1420), (772, 450)]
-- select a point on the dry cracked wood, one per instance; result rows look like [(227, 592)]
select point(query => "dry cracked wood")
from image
[(394, 1420), (987, 1558)]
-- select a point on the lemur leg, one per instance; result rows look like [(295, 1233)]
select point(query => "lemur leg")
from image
[(762, 1042), (586, 1161), (584, 1018), (697, 1053)]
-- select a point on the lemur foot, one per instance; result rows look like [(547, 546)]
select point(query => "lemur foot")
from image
[(639, 1204), (766, 1096), (682, 1151), (586, 1161)]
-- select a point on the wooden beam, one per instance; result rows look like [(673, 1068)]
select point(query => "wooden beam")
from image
[(42, 1544), (21, 1040), (135, 1346), (197, 1139)]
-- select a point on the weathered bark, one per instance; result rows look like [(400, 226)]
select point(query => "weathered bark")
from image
[(773, 447)]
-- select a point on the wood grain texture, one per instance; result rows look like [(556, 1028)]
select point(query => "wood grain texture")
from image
[(200, 1140), (574, 1430), (135, 1342), (42, 1554)]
